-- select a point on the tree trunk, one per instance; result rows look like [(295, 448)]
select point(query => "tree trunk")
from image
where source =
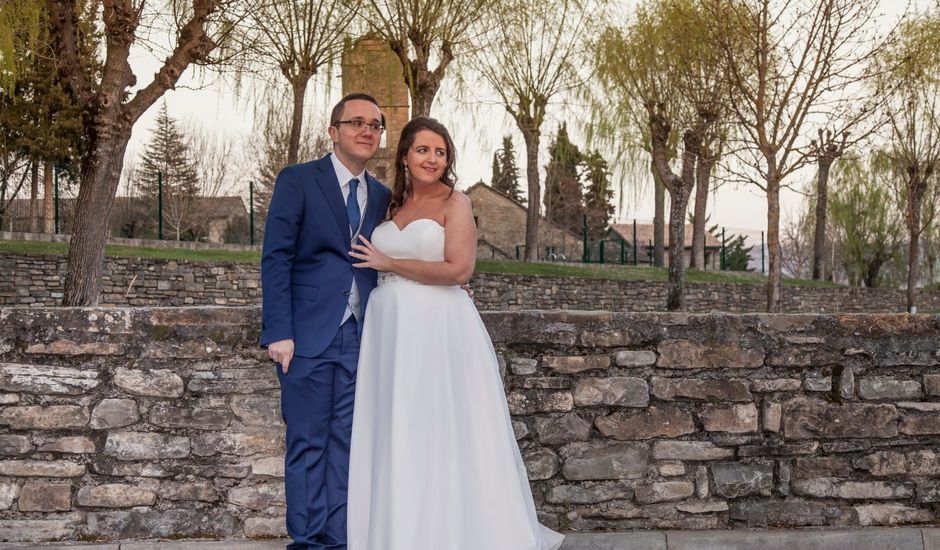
[(299, 87), (48, 197), (422, 98), (659, 216), (913, 229), (703, 174), (100, 177), (773, 242), (675, 288), (34, 198), (531, 138), (819, 238)]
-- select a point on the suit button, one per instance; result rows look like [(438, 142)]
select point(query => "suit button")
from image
[(346, 293)]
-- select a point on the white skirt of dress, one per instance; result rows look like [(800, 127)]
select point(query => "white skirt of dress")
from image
[(434, 463)]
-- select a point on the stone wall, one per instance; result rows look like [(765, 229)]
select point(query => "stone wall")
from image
[(163, 423), (32, 279)]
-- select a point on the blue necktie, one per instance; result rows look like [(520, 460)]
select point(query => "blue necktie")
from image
[(352, 207)]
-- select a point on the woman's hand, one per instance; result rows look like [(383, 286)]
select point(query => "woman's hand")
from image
[(370, 256)]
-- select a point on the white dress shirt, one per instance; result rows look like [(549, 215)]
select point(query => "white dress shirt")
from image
[(343, 175)]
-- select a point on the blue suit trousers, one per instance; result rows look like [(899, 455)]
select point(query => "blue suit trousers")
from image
[(317, 406)]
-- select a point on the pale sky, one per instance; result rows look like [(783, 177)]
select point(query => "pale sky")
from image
[(477, 126)]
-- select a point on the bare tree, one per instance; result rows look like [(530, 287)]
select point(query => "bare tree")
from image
[(826, 149), (109, 111), (801, 63), (419, 31), (297, 38), (530, 62)]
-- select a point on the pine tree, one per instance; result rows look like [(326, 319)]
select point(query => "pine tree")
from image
[(563, 195), (597, 199), (168, 153), (505, 171)]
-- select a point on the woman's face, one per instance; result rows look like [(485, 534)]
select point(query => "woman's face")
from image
[(426, 158)]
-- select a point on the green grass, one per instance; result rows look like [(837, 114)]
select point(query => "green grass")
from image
[(609, 271)]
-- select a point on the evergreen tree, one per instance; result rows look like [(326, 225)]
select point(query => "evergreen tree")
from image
[(599, 194), (563, 196), (168, 153), (505, 171), (737, 256)]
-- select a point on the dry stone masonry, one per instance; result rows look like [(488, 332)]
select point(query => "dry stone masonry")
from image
[(164, 423), (36, 280)]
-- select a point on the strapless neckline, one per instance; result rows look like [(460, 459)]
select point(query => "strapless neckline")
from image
[(412, 222)]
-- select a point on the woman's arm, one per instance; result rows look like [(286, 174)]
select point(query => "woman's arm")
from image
[(460, 249)]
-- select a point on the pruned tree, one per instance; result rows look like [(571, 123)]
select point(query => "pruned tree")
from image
[(110, 110), (298, 39), (912, 84), (530, 61), (800, 62), (826, 149), (664, 65), (419, 31)]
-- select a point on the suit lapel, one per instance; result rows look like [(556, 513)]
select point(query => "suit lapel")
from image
[(373, 206), (329, 185)]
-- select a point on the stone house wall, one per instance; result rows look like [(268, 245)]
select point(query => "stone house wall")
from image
[(121, 423)]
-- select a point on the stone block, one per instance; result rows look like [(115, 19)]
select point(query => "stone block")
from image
[(646, 424), (620, 391), (70, 445), (163, 524), (671, 469), (932, 384), (922, 462), (41, 468), (784, 513), (11, 444), (847, 383), (734, 419), (45, 497), (202, 491), (624, 461), (852, 490), (808, 467), (629, 358), (269, 467), (47, 379), (39, 530), (892, 514), (772, 412), (880, 387), (687, 354), (919, 423), (576, 363), (540, 463), (53, 417), (151, 383), (735, 479), (257, 411), (71, 348), (818, 383), (712, 507), (536, 401), (689, 451), (813, 418), (166, 416), (146, 446), (264, 442), (262, 527), (258, 497), (564, 429), (115, 495), (9, 492), (591, 494), (547, 383), (776, 385), (670, 389), (114, 413), (523, 366), (664, 491)]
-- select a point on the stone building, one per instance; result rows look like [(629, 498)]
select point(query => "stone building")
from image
[(500, 223), (644, 236), (370, 66)]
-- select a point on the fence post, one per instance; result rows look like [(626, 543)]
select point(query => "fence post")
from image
[(585, 255), (635, 250), (761, 251), (251, 211), (623, 252), (160, 205), (723, 259), (55, 197)]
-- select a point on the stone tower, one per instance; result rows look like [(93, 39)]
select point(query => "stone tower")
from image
[(370, 66)]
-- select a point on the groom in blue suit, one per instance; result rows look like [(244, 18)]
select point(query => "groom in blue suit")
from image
[(312, 307)]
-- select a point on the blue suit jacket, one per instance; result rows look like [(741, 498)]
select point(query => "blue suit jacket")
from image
[(306, 270)]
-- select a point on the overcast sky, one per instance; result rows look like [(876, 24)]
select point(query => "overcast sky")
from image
[(477, 124)]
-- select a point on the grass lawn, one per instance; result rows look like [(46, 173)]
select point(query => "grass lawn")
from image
[(609, 271)]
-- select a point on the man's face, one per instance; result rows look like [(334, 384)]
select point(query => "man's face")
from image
[(352, 144)]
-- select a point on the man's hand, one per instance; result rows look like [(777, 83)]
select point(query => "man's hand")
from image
[(281, 352), (468, 290)]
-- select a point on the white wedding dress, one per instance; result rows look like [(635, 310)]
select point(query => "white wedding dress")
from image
[(434, 464)]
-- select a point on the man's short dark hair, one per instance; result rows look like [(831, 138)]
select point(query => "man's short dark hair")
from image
[(338, 109)]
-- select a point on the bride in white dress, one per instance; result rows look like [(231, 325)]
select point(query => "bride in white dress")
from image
[(434, 464)]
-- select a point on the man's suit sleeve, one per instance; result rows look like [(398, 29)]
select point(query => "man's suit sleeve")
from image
[(281, 231)]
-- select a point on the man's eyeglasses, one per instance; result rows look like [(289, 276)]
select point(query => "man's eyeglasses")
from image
[(360, 125)]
